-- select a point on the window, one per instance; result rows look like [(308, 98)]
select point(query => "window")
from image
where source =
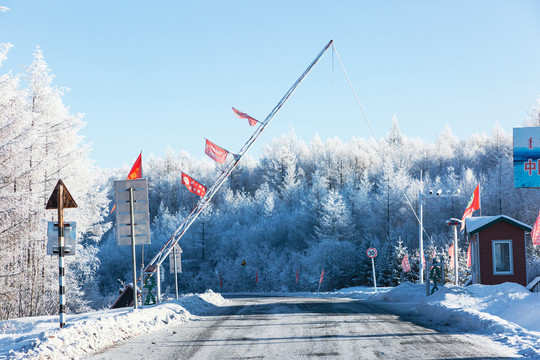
[(503, 263)]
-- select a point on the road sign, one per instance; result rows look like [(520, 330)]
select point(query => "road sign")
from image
[(177, 250), (141, 217), (70, 238), (371, 253), (67, 199), (243, 263)]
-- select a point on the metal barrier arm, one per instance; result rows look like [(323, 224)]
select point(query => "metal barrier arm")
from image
[(169, 245)]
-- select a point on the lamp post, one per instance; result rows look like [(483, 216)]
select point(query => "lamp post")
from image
[(438, 194)]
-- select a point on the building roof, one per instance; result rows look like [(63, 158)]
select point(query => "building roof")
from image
[(479, 223)]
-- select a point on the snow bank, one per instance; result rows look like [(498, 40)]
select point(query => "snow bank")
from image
[(41, 338)]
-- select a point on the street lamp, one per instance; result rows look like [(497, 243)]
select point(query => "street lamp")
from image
[(438, 194), (455, 223)]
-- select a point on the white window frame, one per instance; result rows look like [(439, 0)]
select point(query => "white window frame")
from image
[(510, 246)]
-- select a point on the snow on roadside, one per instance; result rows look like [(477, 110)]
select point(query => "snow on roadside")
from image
[(41, 338), (507, 313)]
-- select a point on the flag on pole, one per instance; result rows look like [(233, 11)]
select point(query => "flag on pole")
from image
[(193, 185), (451, 253), (134, 173), (469, 256), (215, 152), (136, 170), (405, 264), (474, 204), (257, 277), (297, 277), (322, 276), (535, 233), (242, 115)]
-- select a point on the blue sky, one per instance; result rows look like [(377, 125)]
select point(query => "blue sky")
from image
[(152, 75)]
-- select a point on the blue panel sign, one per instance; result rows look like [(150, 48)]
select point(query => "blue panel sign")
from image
[(527, 157)]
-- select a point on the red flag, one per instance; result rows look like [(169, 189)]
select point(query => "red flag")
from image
[(297, 277), (193, 185), (405, 264), (257, 277), (535, 233), (469, 256), (215, 152), (134, 173), (451, 253), (242, 115), (136, 170), (474, 204), (322, 276), (220, 281)]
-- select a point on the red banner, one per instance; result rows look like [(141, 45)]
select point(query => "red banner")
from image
[(242, 115), (215, 152), (535, 233), (451, 253), (297, 277), (193, 185), (322, 277), (405, 264)]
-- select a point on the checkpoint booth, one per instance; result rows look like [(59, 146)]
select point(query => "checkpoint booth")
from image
[(498, 249)]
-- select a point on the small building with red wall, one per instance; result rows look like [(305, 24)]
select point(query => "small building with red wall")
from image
[(498, 249)]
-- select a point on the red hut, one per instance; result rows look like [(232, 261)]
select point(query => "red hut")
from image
[(498, 250)]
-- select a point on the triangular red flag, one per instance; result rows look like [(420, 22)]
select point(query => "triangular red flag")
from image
[(322, 277), (136, 170), (474, 204)]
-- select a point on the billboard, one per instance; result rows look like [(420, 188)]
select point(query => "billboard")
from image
[(527, 157)]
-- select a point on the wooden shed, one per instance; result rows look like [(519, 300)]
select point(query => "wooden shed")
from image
[(498, 249)]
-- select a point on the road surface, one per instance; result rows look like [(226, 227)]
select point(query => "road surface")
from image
[(296, 328)]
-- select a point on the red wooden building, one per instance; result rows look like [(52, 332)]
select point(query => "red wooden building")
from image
[(498, 249)]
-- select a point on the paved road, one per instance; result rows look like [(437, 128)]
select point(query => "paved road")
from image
[(292, 328)]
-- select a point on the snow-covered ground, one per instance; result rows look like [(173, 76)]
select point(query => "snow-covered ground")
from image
[(507, 313)]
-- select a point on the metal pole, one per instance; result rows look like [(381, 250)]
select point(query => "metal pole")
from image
[(158, 297), (456, 272), (133, 259), (428, 280), (61, 253), (374, 277), (175, 274), (421, 245)]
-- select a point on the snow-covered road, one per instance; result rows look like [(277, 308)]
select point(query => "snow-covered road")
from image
[(291, 327)]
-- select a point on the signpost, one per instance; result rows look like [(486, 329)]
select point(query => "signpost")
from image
[(175, 259), (243, 274), (133, 221), (372, 253), (61, 199)]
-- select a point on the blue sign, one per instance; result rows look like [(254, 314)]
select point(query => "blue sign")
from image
[(527, 157)]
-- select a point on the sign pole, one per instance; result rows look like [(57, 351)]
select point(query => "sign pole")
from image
[(133, 259), (372, 253), (456, 270), (60, 199), (175, 273), (61, 253), (374, 277)]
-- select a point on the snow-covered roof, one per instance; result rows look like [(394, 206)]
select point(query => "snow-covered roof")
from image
[(475, 224)]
